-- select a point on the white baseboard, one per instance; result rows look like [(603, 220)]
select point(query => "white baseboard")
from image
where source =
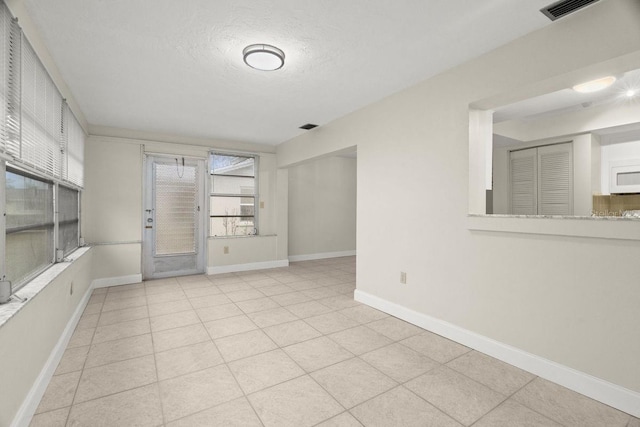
[(247, 267), (116, 281), (323, 255), (31, 402), (611, 394)]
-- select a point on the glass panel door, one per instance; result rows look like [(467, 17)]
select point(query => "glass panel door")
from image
[(173, 220)]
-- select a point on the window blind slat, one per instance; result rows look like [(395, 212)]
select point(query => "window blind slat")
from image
[(5, 36), (74, 137), (13, 65), (41, 116)]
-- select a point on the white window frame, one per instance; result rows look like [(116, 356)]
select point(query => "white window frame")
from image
[(255, 194)]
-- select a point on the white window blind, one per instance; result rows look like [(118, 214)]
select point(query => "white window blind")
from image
[(73, 149), (41, 116), (5, 36), (43, 145), (10, 46)]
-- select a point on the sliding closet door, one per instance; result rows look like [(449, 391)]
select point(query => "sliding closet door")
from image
[(524, 182), (555, 180)]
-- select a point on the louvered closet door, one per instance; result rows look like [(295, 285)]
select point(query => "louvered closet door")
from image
[(523, 182), (555, 180)]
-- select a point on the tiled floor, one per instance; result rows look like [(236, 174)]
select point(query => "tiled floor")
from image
[(285, 347)]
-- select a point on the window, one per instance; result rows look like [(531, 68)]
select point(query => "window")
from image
[(29, 226), (68, 219), (41, 161), (233, 195)]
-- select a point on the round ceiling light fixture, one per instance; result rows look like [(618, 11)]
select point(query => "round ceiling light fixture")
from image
[(595, 85), (263, 57), (630, 93)]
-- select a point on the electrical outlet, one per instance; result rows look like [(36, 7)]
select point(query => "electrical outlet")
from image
[(261, 205), (403, 277), (226, 249)]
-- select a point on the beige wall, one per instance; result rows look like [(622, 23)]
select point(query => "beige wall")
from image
[(112, 202), (29, 337), (322, 206), (571, 300)]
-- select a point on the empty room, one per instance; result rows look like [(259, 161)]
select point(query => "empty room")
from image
[(295, 213)]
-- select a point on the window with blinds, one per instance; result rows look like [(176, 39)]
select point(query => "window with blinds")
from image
[(541, 180), (41, 161), (41, 121), (73, 151)]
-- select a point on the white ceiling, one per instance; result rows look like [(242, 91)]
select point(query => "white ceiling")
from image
[(567, 100), (176, 67)]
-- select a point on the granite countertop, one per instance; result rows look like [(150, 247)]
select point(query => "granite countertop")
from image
[(590, 218)]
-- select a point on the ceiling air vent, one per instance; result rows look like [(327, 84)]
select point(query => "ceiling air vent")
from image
[(565, 7)]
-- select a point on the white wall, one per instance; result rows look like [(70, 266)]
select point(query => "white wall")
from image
[(613, 152), (570, 300), (112, 204), (29, 337), (322, 206)]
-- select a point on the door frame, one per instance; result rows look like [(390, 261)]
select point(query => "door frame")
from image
[(148, 198)]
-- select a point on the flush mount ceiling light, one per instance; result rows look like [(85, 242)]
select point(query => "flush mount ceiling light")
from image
[(630, 93), (595, 85), (263, 57)]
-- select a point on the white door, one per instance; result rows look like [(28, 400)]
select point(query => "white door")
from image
[(173, 238), (523, 182)]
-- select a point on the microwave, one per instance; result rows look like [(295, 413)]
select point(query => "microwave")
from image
[(624, 176)]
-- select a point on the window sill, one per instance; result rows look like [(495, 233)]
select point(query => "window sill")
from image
[(571, 226), (35, 286)]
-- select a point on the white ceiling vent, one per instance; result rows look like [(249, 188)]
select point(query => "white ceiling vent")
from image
[(565, 7)]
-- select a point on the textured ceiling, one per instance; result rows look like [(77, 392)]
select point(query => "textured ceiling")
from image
[(176, 67)]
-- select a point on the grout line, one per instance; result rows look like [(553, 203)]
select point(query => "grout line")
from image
[(92, 345), (155, 362), (527, 406)]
